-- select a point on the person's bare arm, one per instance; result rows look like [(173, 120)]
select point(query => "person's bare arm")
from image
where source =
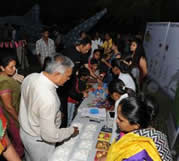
[(91, 72), (143, 66), (7, 102), (10, 153), (105, 62)]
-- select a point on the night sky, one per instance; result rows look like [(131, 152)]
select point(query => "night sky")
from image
[(120, 12)]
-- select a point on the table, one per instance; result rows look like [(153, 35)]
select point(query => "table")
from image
[(82, 147)]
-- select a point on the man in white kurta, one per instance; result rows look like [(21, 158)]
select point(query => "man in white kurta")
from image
[(39, 114)]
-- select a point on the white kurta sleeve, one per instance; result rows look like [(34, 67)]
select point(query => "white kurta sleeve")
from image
[(48, 129)]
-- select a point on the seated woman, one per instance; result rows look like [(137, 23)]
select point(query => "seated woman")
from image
[(140, 141), (118, 91), (10, 99), (6, 148)]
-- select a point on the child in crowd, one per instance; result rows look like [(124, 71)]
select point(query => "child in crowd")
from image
[(95, 60), (96, 55), (94, 68), (122, 71), (105, 67), (118, 91), (77, 92)]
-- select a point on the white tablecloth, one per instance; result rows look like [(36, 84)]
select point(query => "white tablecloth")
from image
[(83, 146)]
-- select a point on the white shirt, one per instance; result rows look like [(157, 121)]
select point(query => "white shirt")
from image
[(39, 113), (45, 49), (128, 80)]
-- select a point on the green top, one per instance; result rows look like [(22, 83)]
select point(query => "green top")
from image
[(8, 84)]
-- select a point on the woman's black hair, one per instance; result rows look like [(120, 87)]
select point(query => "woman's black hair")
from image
[(139, 51), (119, 63), (118, 86), (97, 50), (6, 56), (140, 110), (83, 72)]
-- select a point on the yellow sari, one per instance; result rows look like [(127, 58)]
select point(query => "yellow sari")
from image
[(131, 144)]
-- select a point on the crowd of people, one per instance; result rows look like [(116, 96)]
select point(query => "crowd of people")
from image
[(38, 110)]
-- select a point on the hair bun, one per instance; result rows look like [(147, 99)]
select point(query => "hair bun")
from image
[(150, 104)]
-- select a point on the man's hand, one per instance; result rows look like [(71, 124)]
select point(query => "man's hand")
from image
[(18, 77), (76, 131)]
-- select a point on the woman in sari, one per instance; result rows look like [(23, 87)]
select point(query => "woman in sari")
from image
[(140, 142), (10, 99), (6, 148)]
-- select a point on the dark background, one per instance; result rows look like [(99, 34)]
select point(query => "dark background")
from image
[(123, 15)]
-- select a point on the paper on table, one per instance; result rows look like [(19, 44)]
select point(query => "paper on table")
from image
[(90, 127), (61, 154), (86, 112), (70, 143), (86, 144), (81, 154), (87, 135)]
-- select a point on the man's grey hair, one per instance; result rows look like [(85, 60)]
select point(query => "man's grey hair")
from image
[(59, 66)]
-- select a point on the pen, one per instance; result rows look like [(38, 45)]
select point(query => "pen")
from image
[(94, 121)]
